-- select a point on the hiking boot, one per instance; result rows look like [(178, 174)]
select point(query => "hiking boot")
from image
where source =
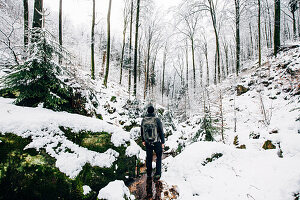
[(156, 177)]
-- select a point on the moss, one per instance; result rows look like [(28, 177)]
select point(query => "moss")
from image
[(161, 111), (131, 126), (241, 90), (113, 99), (243, 146), (213, 157), (99, 116), (9, 93), (236, 140), (28, 174), (268, 145), (100, 142)]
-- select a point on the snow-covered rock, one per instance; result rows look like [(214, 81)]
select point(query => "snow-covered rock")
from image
[(115, 190)]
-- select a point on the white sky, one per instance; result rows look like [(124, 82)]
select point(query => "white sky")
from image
[(80, 11)]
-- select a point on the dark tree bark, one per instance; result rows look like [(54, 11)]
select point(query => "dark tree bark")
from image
[(217, 55), (299, 20), (37, 15), (26, 24), (237, 36), (130, 47), (163, 75), (37, 19), (60, 30), (93, 43), (259, 35), (123, 43), (136, 47), (251, 39), (108, 44), (187, 63), (293, 8), (277, 27), (270, 22)]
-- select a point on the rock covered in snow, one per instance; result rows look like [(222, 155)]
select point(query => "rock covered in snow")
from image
[(86, 189), (115, 190)]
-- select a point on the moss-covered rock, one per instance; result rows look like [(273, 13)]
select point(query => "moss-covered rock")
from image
[(236, 140), (243, 146), (241, 90), (28, 174), (113, 99), (100, 142), (131, 126), (213, 157), (268, 145)]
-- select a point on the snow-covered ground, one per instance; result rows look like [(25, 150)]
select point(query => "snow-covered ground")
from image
[(251, 173)]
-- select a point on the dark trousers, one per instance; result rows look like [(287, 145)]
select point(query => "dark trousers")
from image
[(157, 148)]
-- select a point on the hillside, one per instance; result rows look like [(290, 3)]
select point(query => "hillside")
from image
[(260, 159)]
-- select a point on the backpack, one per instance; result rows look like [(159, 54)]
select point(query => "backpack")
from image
[(150, 130)]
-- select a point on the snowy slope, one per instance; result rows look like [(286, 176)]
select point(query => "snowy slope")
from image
[(251, 173)]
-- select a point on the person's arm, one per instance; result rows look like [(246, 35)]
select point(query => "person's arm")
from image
[(160, 131)]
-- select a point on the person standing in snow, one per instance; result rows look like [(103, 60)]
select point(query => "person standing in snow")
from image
[(153, 138)]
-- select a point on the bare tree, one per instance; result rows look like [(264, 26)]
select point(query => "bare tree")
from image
[(125, 22), (164, 70), (277, 27), (237, 35), (60, 29), (259, 34), (293, 8), (108, 44), (130, 46), (136, 47), (204, 48), (210, 6), (26, 25), (38, 14), (93, 42)]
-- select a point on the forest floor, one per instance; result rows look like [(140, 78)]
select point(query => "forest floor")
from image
[(143, 188)]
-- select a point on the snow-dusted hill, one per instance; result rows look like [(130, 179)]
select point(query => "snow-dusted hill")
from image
[(241, 168)]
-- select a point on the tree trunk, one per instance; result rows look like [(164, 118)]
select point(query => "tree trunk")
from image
[(122, 54), (251, 39), (37, 15), (277, 27), (123, 43), (130, 47), (207, 66), (136, 47), (93, 43), (108, 44), (294, 26), (60, 31), (147, 69), (237, 37), (270, 22), (37, 19), (163, 75), (259, 36), (217, 55), (201, 73), (299, 20), (26, 24), (193, 59), (187, 63)]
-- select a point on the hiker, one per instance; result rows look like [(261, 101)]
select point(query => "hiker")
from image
[(153, 138)]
